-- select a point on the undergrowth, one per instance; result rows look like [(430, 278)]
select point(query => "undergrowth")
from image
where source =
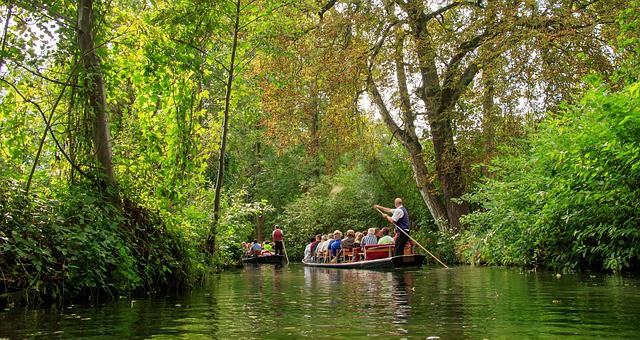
[(77, 245)]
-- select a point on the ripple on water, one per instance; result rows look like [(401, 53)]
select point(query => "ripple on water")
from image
[(299, 302)]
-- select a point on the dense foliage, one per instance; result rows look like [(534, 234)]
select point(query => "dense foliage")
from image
[(74, 243), (569, 198)]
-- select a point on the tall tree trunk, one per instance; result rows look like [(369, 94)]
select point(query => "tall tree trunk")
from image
[(423, 180), (488, 122), (256, 170), (260, 228), (425, 185), (315, 139), (449, 168), (7, 20), (225, 125), (439, 98), (94, 84)]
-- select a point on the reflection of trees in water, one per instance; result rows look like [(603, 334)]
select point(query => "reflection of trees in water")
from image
[(444, 302), (402, 288), (261, 292), (383, 294)]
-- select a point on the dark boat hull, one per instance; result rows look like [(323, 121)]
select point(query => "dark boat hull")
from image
[(395, 262), (268, 259)]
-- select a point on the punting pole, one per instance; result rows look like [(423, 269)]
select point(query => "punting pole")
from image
[(416, 242), (285, 252)]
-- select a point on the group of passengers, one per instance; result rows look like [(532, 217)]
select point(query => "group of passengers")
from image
[(256, 248), (331, 246)]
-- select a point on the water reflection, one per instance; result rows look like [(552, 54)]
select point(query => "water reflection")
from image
[(268, 302), (376, 297)]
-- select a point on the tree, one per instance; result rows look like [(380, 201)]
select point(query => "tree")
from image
[(227, 104), (425, 57), (310, 80), (95, 87), (247, 29)]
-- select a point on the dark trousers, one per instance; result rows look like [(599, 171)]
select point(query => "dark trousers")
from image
[(401, 241), (278, 248)]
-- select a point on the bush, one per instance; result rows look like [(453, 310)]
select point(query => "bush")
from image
[(78, 244), (571, 199)]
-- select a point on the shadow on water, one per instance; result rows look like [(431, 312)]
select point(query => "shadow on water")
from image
[(277, 302)]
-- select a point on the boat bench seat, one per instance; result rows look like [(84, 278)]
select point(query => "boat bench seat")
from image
[(378, 251)]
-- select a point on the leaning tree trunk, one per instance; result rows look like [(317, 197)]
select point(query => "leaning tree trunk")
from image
[(426, 187), (95, 87)]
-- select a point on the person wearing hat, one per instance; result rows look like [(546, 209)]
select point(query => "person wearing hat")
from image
[(337, 242), (349, 240)]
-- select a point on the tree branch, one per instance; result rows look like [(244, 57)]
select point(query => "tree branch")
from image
[(34, 7), (47, 122), (326, 8), (372, 89), (403, 89), (373, 52)]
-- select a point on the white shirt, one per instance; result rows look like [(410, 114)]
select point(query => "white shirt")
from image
[(307, 251), (397, 214), (323, 246)]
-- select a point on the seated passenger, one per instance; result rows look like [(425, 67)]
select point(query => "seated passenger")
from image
[(385, 239), (369, 239), (267, 246), (322, 247), (349, 241), (337, 240), (358, 240), (332, 238), (314, 246), (256, 248), (307, 249)]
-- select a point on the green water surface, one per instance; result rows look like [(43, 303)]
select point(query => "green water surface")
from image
[(268, 302)]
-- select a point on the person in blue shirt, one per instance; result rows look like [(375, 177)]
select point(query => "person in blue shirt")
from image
[(256, 248), (335, 245)]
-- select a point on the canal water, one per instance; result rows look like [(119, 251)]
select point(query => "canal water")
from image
[(268, 302)]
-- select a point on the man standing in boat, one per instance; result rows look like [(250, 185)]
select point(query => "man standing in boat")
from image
[(277, 236), (399, 217)]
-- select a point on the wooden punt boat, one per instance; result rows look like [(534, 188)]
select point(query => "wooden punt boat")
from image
[(266, 259), (376, 256), (394, 262)]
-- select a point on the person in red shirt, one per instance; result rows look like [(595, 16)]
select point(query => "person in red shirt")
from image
[(278, 235)]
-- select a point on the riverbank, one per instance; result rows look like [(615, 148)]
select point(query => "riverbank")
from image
[(81, 247)]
